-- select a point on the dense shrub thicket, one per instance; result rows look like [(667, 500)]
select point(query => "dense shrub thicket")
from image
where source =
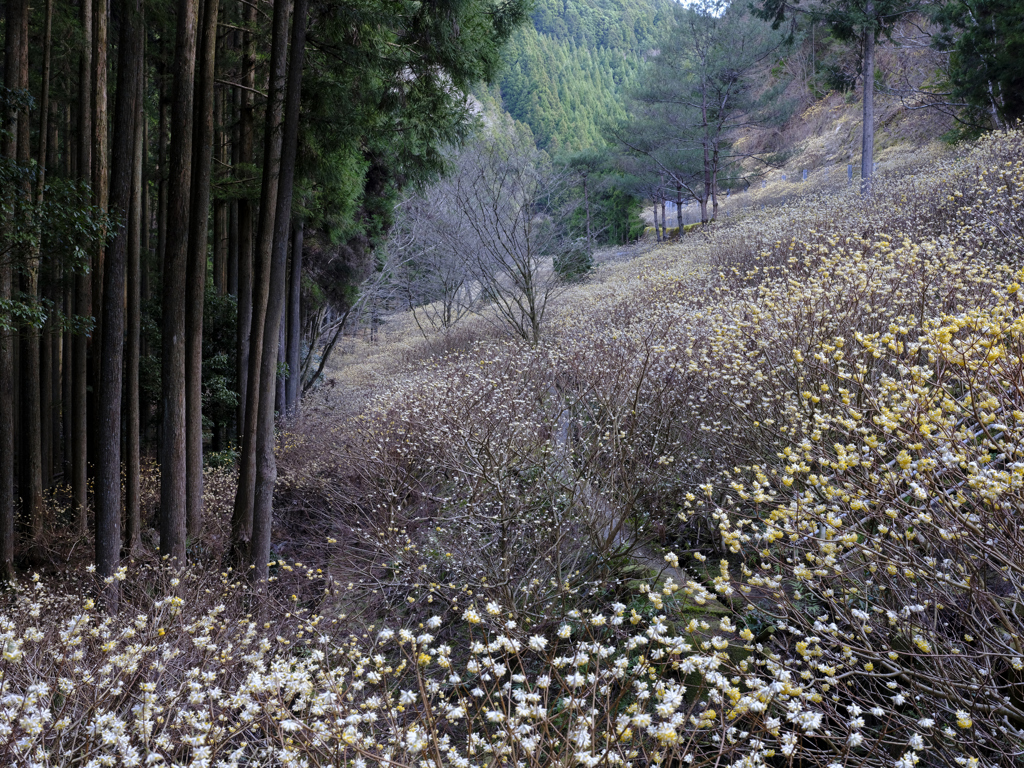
[(754, 501)]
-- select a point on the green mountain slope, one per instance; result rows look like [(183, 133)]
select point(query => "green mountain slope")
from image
[(565, 74)]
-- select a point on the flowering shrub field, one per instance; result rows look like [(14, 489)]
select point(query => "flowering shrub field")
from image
[(755, 500)]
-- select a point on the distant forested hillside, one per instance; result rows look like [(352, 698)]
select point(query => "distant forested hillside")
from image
[(565, 74)]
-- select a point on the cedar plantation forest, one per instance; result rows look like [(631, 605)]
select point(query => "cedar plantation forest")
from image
[(521, 383)]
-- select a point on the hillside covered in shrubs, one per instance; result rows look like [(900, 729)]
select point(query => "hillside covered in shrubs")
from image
[(753, 500)]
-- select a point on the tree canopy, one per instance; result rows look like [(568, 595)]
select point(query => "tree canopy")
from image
[(709, 81), (154, 155), (565, 75), (985, 40)]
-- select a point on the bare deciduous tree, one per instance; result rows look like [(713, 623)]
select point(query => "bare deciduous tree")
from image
[(506, 189), (426, 265), (487, 235)]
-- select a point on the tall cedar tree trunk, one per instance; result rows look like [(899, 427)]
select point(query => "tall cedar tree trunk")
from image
[(66, 367), (145, 224), (83, 290), (266, 464), (664, 221), (242, 526), (111, 350), (46, 338), (714, 181), (292, 388), (203, 157), (172, 363), (232, 236), (68, 281), (100, 193), (162, 176), (14, 48), (707, 186), (679, 209), (867, 149), (132, 350), (46, 404), (245, 233), (100, 156), (220, 206), (30, 458), (234, 107), (280, 384)]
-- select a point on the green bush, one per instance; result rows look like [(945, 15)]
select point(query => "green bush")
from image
[(575, 263)]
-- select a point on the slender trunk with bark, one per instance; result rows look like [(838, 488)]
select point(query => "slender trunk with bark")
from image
[(867, 152), (46, 338), (309, 381), (132, 350), (66, 383), (83, 291), (232, 241), (679, 209), (100, 193), (69, 152), (108, 430), (266, 463), (56, 381), (14, 46), (68, 307), (162, 175), (172, 364), (31, 453), (245, 229), (196, 289), (714, 183), (242, 523), (46, 404), (292, 387), (220, 206), (282, 350), (30, 457), (145, 212), (706, 197), (707, 161)]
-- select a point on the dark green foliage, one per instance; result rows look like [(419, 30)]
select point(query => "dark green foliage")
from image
[(614, 209), (618, 214), (847, 19), (564, 76), (574, 263), (64, 227), (220, 378), (712, 78), (596, 186), (381, 97), (986, 69), (220, 367), (629, 24)]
